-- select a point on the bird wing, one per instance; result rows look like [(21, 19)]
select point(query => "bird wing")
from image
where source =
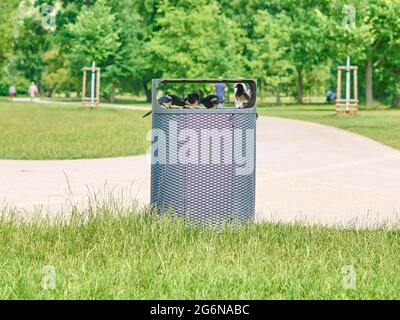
[(165, 101)]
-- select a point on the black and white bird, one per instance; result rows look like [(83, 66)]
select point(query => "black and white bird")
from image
[(242, 95), (192, 100), (168, 101), (210, 101)]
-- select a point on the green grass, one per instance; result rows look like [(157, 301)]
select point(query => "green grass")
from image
[(380, 124), (43, 131), (142, 256)]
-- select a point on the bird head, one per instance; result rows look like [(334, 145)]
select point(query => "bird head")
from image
[(239, 89), (192, 99)]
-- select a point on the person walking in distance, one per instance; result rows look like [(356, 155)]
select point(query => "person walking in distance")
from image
[(33, 91), (12, 91), (220, 89)]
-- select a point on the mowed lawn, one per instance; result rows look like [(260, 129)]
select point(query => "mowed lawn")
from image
[(43, 131), (142, 256), (51, 131), (381, 124)]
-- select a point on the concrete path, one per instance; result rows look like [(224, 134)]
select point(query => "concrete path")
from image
[(321, 174), (305, 171)]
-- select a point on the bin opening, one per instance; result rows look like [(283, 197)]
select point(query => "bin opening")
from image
[(206, 93)]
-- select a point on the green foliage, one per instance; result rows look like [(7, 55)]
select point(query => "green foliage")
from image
[(372, 43), (267, 52), (288, 45), (10, 77), (196, 39), (94, 35), (57, 77), (7, 28)]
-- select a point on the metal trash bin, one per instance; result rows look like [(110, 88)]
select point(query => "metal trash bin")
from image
[(204, 160)]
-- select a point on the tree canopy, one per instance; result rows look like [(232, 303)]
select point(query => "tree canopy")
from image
[(292, 46)]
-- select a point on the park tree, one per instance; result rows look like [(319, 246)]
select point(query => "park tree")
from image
[(388, 73), (266, 51), (288, 45), (57, 73), (303, 49), (150, 13), (195, 39), (381, 19), (8, 14), (126, 65), (365, 30), (110, 33), (94, 34), (31, 42), (95, 37), (8, 31), (384, 50)]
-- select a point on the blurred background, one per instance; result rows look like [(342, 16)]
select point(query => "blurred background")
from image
[(292, 47)]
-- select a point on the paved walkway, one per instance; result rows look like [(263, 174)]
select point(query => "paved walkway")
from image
[(305, 171)]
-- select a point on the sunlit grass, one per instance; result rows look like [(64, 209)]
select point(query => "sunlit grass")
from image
[(43, 131), (115, 254)]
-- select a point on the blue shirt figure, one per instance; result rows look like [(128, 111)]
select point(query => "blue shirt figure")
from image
[(330, 96), (220, 89)]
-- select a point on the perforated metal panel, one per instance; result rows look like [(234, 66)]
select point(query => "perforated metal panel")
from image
[(204, 182)]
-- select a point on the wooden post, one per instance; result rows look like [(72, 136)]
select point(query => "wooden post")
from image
[(355, 88), (84, 86), (98, 87), (94, 97), (338, 89), (92, 82), (348, 79), (348, 104)]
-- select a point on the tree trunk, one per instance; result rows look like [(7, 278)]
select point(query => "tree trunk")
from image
[(369, 98), (395, 98), (278, 95), (112, 94), (147, 91), (299, 86)]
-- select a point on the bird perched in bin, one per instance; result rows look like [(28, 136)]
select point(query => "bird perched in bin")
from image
[(168, 101), (192, 100), (210, 101), (242, 95)]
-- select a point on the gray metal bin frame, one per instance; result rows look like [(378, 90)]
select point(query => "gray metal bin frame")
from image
[(205, 193)]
